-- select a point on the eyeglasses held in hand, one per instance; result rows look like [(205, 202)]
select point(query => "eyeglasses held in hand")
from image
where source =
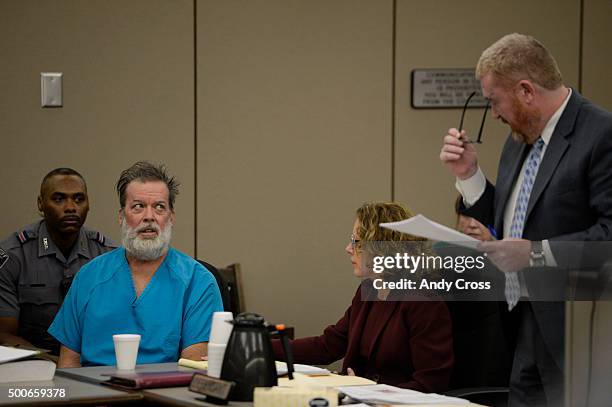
[(484, 117)]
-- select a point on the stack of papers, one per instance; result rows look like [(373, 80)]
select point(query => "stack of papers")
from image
[(331, 380), (385, 394)]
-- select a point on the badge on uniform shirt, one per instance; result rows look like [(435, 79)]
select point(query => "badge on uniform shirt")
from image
[(45, 243), (3, 258)]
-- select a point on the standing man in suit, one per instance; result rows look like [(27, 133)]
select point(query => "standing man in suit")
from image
[(554, 184)]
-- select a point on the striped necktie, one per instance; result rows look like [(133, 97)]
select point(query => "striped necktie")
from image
[(513, 287)]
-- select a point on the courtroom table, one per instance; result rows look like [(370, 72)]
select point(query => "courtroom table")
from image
[(168, 396), (90, 391), (77, 393)]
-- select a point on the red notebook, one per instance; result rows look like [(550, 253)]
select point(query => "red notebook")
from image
[(150, 380)]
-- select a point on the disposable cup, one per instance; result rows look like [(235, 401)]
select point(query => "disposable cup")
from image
[(126, 350), (220, 329), (216, 352)]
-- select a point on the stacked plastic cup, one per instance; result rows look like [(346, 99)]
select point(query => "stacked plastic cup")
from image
[(220, 332)]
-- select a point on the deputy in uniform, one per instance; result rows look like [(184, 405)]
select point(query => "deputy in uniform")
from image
[(38, 262)]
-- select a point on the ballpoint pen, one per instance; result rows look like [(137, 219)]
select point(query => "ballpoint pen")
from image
[(492, 231)]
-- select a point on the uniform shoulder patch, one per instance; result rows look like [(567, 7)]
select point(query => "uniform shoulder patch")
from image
[(24, 235), (100, 238), (3, 258)]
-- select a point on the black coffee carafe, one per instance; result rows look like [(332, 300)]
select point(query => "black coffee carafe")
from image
[(249, 359)]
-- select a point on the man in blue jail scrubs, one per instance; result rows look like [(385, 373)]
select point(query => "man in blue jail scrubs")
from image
[(145, 287)]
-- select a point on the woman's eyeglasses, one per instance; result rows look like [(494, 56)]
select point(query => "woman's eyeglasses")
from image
[(354, 241), (484, 117)]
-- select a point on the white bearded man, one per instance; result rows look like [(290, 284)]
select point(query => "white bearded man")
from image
[(145, 287)]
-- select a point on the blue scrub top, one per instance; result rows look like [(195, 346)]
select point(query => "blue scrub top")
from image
[(173, 312)]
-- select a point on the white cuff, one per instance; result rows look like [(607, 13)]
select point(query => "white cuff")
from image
[(471, 189)]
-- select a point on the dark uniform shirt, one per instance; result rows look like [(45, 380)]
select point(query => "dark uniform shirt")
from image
[(35, 276)]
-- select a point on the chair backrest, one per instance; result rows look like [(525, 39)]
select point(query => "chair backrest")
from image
[(231, 276), (481, 352), (486, 396), (223, 286)]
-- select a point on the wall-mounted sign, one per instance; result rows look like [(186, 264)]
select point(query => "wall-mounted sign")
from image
[(445, 88)]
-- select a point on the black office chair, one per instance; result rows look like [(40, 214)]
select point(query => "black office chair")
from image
[(482, 357), (232, 277), (486, 396), (482, 343), (223, 286)]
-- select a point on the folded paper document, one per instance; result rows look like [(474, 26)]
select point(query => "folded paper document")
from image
[(194, 364), (419, 225)]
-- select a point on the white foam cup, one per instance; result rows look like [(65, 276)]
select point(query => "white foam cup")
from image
[(220, 329), (216, 352), (126, 350)]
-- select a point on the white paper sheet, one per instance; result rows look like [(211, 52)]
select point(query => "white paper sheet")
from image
[(383, 393), (281, 369), (8, 354), (419, 225)]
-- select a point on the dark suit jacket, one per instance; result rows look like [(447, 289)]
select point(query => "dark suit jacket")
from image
[(571, 199), (402, 343)]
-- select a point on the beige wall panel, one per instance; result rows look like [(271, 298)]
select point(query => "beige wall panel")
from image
[(581, 358), (294, 133), (602, 354), (597, 86), (577, 349), (452, 34), (596, 52), (128, 95)]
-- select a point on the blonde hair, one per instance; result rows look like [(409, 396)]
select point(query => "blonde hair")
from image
[(515, 57), (370, 215), (379, 241)]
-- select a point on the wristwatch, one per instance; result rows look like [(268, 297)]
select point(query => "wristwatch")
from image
[(536, 257)]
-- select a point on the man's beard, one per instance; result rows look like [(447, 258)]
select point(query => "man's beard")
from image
[(145, 249), (528, 121)]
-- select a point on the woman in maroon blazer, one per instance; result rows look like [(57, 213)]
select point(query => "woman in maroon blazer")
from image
[(402, 343)]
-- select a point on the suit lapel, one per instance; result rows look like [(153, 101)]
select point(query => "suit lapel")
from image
[(559, 142), (550, 161)]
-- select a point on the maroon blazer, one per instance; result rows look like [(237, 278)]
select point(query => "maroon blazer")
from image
[(402, 343)]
